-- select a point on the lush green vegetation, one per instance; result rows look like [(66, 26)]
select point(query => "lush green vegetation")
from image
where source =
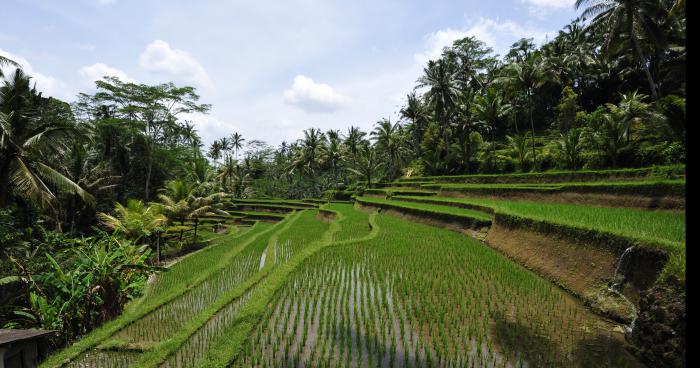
[(94, 193), (644, 225)]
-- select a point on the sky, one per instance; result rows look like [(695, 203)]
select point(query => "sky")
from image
[(270, 69)]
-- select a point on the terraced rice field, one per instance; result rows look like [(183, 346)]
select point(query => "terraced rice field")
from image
[(420, 296), (349, 287)]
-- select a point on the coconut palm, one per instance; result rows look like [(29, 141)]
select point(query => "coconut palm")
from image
[(443, 92), (518, 144), (237, 142), (631, 20), (389, 141), (25, 140), (570, 146), (215, 150), (332, 153), (180, 202), (5, 61), (367, 164), (526, 76), (136, 221), (418, 118), (353, 140)]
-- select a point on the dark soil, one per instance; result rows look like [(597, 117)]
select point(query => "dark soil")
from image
[(659, 332)]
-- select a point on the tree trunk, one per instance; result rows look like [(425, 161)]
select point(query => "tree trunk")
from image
[(148, 172), (640, 56), (196, 224), (532, 126)]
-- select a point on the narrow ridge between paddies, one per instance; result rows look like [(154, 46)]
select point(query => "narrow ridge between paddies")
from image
[(468, 217)]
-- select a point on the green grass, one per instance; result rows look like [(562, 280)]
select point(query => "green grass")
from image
[(416, 295), (428, 208), (644, 225), (354, 224), (670, 171)]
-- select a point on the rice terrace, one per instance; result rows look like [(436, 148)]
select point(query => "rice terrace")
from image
[(522, 205)]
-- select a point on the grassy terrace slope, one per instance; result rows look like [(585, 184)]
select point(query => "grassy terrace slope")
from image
[(672, 171), (157, 315), (469, 217), (649, 227), (417, 295), (656, 187)]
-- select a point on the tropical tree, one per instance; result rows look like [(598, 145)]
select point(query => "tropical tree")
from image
[(389, 141), (570, 147), (353, 141), (526, 75), (442, 92), (136, 221), (26, 142), (627, 20), (180, 202), (5, 61), (237, 142), (519, 145), (367, 164)]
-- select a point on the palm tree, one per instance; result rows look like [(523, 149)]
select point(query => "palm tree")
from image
[(526, 76), (353, 140), (442, 93), (215, 151), (611, 137), (518, 143), (237, 142), (632, 110), (367, 164), (488, 109), (180, 202), (388, 139), (135, 221), (332, 153), (570, 147), (627, 19), (415, 113), (4, 61), (25, 138)]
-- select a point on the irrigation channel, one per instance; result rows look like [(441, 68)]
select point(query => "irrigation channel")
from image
[(361, 290)]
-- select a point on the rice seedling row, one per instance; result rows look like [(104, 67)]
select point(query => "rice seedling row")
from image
[(633, 223), (169, 318), (421, 296), (306, 228)]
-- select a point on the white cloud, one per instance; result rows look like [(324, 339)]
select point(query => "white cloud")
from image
[(497, 34), (552, 4), (96, 71), (47, 84), (159, 57), (313, 97)]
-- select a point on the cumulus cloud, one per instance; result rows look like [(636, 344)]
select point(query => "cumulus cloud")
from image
[(551, 4), (497, 34), (96, 71), (47, 84), (313, 97), (159, 57)]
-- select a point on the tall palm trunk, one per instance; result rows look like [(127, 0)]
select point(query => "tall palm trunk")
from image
[(640, 55), (532, 126)]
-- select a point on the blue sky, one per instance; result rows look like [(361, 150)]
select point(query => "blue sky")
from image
[(269, 68)]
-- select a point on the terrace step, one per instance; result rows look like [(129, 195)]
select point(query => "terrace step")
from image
[(671, 171), (451, 217)]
